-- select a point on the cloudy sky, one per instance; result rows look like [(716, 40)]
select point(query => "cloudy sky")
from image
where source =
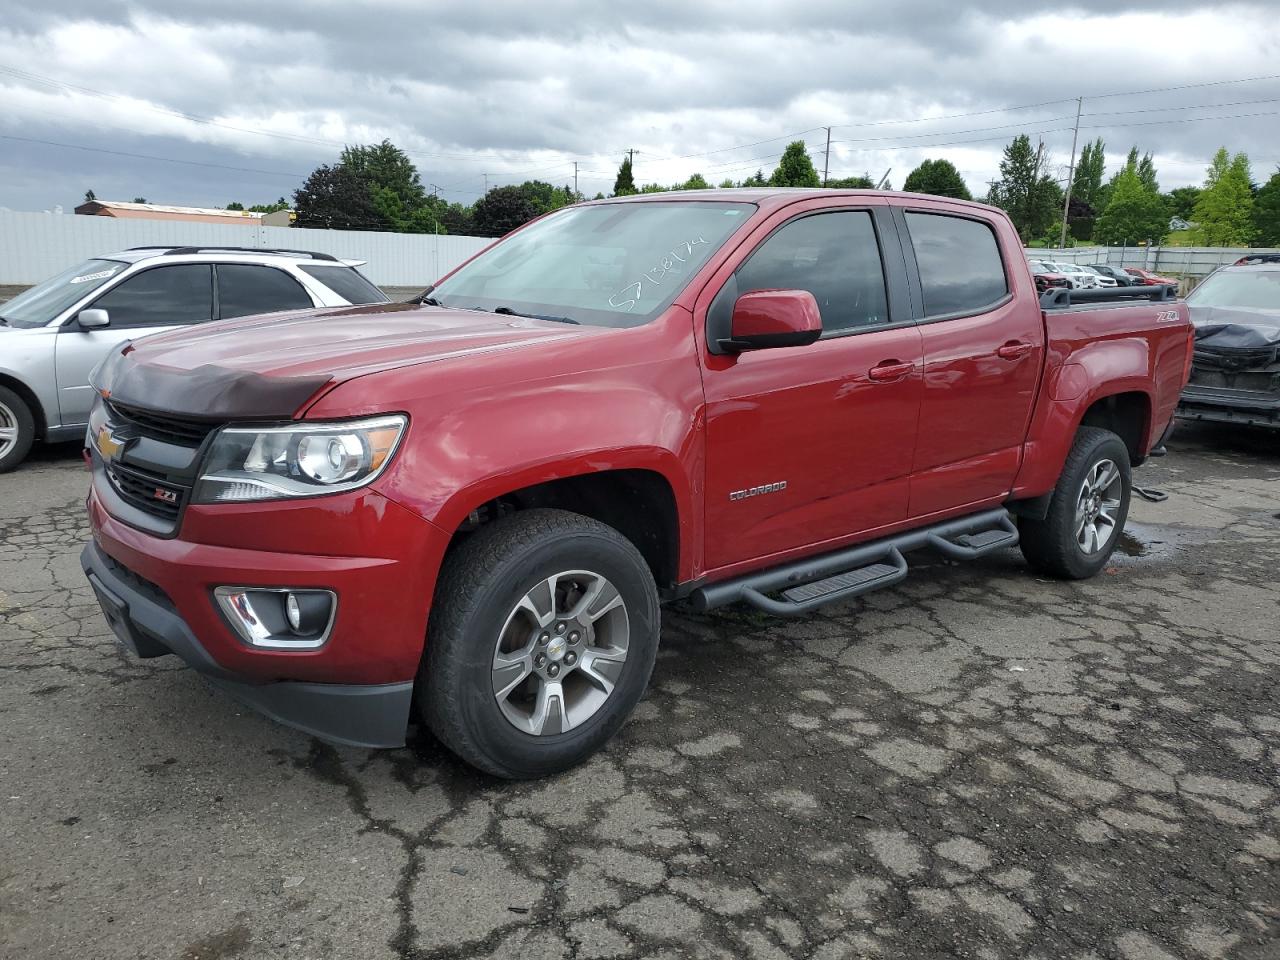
[(205, 103)]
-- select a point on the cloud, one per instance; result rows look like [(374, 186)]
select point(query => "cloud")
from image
[(499, 92)]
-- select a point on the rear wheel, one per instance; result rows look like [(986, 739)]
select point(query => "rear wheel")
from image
[(541, 642), (1087, 511), (17, 429)]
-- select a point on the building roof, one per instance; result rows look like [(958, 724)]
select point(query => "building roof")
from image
[(163, 208)]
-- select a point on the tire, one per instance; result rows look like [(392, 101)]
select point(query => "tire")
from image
[(1053, 545), (17, 429), (482, 690)]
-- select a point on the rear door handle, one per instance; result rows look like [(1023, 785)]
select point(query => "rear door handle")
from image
[(888, 370), (1013, 350)]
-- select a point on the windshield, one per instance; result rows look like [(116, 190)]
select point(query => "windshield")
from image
[(1241, 290), (1037, 266), (614, 265), (44, 301)]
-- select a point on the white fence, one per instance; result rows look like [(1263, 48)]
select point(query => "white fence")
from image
[(34, 246), (1189, 262)]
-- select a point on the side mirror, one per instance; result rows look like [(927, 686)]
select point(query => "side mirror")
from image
[(93, 319), (773, 318)]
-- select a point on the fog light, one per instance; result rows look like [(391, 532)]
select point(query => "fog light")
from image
[(279, 618)]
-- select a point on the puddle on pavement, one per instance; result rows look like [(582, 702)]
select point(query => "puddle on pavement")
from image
[(1155, 541)]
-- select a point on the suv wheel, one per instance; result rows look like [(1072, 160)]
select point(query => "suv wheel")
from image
[(1087, 511), (17, 429), (540, 644)]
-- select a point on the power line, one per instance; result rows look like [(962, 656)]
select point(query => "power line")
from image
[(145, 156)]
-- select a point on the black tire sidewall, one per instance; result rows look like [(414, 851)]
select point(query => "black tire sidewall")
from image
[(26, 430), (515, 752), (1105, 447)]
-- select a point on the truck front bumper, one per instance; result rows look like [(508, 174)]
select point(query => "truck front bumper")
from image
[(357, 689), (1222, 405)]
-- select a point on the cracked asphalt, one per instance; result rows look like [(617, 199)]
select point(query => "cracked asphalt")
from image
[(976, 764)]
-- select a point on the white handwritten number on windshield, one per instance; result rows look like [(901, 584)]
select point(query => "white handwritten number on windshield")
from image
[(629, 296)]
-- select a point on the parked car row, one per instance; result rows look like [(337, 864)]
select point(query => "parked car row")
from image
[(1091, 276)]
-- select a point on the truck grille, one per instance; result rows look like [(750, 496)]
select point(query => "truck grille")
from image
[(182, 431), (148, 492), (1251, 358)]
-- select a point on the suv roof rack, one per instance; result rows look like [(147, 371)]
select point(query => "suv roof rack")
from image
[(279, 251), (1255, 258)]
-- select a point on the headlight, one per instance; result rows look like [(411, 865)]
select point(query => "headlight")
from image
[(300, 460)]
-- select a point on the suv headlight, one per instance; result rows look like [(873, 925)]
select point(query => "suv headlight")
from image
[(304, 459)]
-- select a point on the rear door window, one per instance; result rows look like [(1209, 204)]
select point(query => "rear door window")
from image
[(244, 289), (347, 282), (161, 297), (961, 271)]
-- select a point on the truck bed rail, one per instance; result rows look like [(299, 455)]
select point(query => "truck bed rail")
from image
[(1060, 297)]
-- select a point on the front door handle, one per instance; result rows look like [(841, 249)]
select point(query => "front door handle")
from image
[(1013, 350), (888, 370)]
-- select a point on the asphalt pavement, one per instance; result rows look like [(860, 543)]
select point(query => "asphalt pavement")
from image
[(976, 764)]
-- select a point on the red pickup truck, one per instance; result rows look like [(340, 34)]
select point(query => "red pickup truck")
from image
[(476, 503)]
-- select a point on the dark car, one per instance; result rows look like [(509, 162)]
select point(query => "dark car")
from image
[(1235, 377), (1117, 274)]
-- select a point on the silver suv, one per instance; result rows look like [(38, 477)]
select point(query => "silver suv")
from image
[(52, 335)]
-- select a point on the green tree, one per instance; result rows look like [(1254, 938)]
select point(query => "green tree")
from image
[(695, 182), (1086, 183), (392, 178), (653, 188), (1147, 173), (456, 219), (1133, 214), (235, 205), (938, 177), (139, 199), (1224, 212), (90, 196), (851, 183), (1266, 212), (1182, 202), (756, 180), (545, 197), (1030, 196), (501, 210), (795, 169), (335, 197), (625, 184), (727, 182)]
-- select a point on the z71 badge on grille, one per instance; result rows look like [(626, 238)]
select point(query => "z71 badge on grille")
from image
[(757, 491), (165, 496)]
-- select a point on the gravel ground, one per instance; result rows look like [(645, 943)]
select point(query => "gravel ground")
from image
[(975, 764)]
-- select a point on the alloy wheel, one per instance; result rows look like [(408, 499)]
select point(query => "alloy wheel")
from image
[(8, 429), (1097, 507), (560, 653)]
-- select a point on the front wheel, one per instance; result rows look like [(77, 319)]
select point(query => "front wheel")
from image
[(541, 641), (17, 429), (1087, 511)]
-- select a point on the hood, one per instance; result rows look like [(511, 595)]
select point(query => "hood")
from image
[(1226, 328), (269, 366)]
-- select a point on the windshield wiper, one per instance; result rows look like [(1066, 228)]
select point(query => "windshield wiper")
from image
[(535, 316)]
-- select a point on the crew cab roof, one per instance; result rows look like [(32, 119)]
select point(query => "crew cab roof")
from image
[(781, 196)]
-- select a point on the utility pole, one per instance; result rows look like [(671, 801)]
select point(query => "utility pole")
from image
[(575, 180), (1071, 174), (826, 158), (486, 183)]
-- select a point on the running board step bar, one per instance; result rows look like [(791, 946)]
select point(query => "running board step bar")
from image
[(808, 584)]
